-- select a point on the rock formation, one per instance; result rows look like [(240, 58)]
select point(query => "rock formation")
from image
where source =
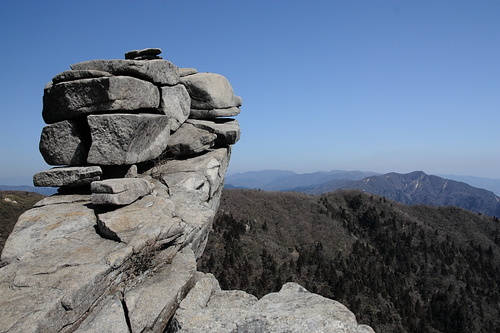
[(140, 151)]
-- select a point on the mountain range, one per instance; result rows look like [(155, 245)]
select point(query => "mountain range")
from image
[(410, 188)]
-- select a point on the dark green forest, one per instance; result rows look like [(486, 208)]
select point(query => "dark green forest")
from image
[(398, 268)]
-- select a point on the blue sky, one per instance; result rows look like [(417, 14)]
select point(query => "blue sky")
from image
[(350, 85)]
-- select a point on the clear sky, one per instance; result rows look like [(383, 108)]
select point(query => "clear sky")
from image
[(350, 85)]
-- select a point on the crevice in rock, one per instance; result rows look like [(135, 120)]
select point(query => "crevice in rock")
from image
[(125, 312)]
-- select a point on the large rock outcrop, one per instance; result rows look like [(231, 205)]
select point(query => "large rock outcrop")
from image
[(140, 152)]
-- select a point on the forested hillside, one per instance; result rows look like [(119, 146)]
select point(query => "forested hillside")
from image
[(398, 268)]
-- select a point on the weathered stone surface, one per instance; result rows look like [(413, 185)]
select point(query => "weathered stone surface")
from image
[(176, 104), (144, 52), (67, 176), (214, 113), (199, 295), (130, 225), (57, 268), (189, 140), (187, 71), (155, 300), (160, 71), (293, 309), (227, 130), (199, 176), (120, 139), (64, 143), (210, 91), (68, 100), (121, 191), (63, 199), (108, 317), (78, 75)]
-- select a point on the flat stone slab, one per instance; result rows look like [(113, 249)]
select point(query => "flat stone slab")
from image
[(189, 140), (64, 143), (227, 130), (159, 71), (124, 139), (149, 52), (78, 75), (67, 176), (70, 99), (176, 104), (214, 113), (210, 91), (120, 191)]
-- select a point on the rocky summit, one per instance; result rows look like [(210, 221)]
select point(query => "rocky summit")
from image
[(140, 149)]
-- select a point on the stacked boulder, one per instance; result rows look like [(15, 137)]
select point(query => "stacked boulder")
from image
[(110, 119)]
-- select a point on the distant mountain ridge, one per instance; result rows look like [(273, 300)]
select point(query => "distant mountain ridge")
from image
[(281, 180), (41, 190), (411, 188)]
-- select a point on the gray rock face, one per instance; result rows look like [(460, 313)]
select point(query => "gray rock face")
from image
[(118, 192), (293, 309), (176, 104), (127, 138), (161, 72), (70, 99), (67, 176), (189, 140), (210, 91), (124, 223), (227, 130), (64, 143)]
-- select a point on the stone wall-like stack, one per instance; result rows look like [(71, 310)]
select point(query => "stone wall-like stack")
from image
[(140, 149)]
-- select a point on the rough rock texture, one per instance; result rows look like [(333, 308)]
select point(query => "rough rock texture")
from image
[(70, 99), (210, 91), (117, 192), (176, 104), (149, 52), (189, 140), (156, 71), (293, 309), (78, 75), (67, 176), (214, 113), (64, 143), (127, 138), (117, 251), (227, 130)]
